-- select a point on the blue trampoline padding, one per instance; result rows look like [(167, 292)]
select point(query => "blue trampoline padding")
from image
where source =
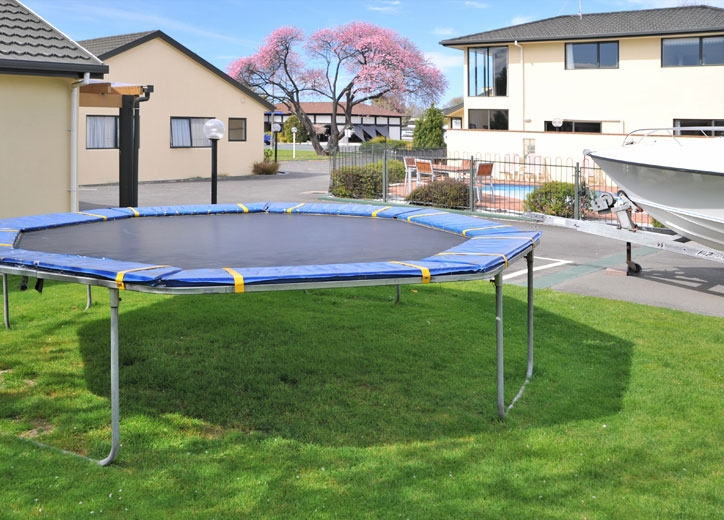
[(489, 247)]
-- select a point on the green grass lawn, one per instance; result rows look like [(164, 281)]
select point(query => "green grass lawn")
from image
[(301, 155), (343, 404)]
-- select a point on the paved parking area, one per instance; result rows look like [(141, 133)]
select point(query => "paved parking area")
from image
[(567, 260)]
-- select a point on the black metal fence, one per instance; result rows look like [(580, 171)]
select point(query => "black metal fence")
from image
[(510, 184)]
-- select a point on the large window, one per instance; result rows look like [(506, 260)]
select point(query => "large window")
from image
[(488, 71), (592, 55), (692, 52), (573, 126), (237, 129), (701, 123), (101, 132), (188, 132), (488, 119)]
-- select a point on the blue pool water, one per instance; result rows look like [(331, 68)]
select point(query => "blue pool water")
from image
[(514, 191)]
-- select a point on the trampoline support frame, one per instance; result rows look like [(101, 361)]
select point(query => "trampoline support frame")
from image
[(500, 357), (114, 348)]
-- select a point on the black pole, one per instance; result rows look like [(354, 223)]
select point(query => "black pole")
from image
[(276, 141), (125, 155), (214, 143)]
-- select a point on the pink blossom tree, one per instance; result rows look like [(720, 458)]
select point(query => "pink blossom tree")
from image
[(347, 65)]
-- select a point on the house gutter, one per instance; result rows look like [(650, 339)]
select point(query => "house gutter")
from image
[(522, 67), (74, 107)]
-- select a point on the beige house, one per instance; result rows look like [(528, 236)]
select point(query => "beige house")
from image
[(554, 87), (187, 91), (41, 73)]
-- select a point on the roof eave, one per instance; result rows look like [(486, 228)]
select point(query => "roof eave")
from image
[(41, 68), (463, 43)]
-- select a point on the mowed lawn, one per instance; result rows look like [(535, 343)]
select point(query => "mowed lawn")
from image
[(345, 404)]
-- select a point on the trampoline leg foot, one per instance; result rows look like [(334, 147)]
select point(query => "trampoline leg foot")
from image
[(115, 415)]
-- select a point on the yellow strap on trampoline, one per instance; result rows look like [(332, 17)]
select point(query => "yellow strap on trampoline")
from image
[(134, 211), (374, 213), (290, 210), (246, 210), (501, 255), (238, 279), (465, 231), (6, 245), (409, 219), (119, 276), (92, 215), (423, 270)]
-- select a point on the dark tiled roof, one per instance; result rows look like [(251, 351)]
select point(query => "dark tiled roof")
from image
[(649, 22), (30, 45), (106, 48)]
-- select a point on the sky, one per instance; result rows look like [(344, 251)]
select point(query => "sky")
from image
[(222, 30)]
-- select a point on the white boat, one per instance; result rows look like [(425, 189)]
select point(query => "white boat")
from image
[(679, 181)]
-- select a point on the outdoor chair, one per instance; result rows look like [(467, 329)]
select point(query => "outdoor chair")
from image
[(483, 177), (410, 170), (424, 167)]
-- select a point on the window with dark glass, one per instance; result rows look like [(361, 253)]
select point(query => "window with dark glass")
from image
[(237, 129), (592, 55), (488, 71), (101, 132), (682, 124), (592, 127), (188, 132), (485, 119), (692, 52)]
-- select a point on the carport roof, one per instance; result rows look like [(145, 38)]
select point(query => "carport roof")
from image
[(30, 45)]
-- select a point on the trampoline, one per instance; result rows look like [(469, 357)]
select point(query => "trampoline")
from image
[(264, 246)]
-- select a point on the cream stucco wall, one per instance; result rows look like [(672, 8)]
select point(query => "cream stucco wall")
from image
[(638, 94), (182, 88), (35, 145)]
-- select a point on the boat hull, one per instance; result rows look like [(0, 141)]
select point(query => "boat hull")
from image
[(680, 185)]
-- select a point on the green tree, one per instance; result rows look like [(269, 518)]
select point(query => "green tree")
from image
[(428, 129), (302, 135)]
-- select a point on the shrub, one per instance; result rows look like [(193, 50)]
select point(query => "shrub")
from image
[(365, 182), (356, 182), (447, 193), (265, 168), (302, 135), (552, 198)]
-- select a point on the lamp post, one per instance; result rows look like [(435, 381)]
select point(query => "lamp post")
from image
[(294, 142), (214, 130), (276, 128)]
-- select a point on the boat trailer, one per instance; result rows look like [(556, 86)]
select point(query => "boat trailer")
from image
[(625, 229)]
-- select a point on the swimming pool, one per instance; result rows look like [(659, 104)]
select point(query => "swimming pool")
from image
[(514, 191)]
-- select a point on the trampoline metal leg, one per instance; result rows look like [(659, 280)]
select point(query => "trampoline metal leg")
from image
[(88, 297), (529, 371), (6, 301), (499, 343), (115, 415)]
